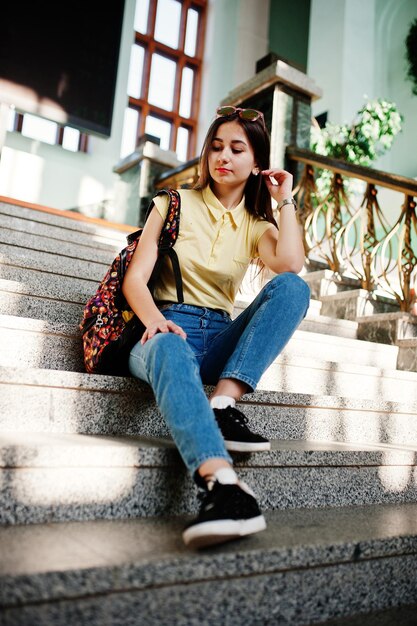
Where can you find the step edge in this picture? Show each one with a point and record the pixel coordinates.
(80, 381)
(179, 566)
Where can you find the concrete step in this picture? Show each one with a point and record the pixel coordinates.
(315, 307)
(299, 374)
(315, 322)
(325, 283)
(55, 477)
(51, 264)
(41, 296)
(106, 233)
(38, 307)
(41, 341)
(329, 326)
(52, 288)
(28, 342)
(58, 346)
(36, 283)
(61, 234)
(341, 349)
(355, 303)
(307, 567)
(69, 402)
(33, 282)
(404, 615)
(31, 242)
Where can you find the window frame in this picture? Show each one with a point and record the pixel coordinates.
(82, 142)
(152, 46)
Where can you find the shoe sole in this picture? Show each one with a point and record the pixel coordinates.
(246, 446)
(219, 531)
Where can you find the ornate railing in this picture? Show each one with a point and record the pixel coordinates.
(345, 227)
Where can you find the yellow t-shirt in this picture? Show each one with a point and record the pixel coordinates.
(214, 248)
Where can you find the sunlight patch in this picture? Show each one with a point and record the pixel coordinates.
(396, 474)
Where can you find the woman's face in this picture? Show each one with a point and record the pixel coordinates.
(230, 158)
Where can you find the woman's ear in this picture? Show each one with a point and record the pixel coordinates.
(255, 171)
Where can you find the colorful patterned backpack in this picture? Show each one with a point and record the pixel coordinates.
(109, 327)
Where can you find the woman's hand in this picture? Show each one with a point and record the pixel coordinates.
(283, 189)
(162, 326)
(282, 250)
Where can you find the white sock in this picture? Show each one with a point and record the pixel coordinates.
(226, 476)
(222, 402)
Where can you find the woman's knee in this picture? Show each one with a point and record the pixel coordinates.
(292, 284)
(166, 345)
(170, 354)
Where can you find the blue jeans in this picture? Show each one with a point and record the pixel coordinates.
(216, 347)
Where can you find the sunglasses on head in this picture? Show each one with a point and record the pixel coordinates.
(250, 115)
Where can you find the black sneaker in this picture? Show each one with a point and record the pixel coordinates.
(227, 512)
(237, 436)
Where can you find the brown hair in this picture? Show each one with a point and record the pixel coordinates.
(257, 196)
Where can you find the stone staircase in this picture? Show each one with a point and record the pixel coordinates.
(93, 494)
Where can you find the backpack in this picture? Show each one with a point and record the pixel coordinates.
(109, 327)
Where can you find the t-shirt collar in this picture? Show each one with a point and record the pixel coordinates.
(217, 209)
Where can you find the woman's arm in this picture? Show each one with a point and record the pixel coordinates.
(135, 282)
(283, 250)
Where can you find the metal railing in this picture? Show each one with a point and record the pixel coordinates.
(345, 226)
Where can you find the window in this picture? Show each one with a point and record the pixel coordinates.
(47, 131)
(164, 74)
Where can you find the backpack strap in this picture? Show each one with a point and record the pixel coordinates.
(171, 227)
(167, 239)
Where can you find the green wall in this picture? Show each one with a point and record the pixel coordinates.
(289, 29)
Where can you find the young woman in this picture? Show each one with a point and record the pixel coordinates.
(226, 221)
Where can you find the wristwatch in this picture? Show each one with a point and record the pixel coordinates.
(287, 201)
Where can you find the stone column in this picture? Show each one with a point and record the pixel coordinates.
(137, 172)
(284, 94)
